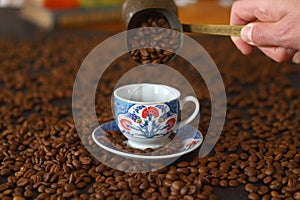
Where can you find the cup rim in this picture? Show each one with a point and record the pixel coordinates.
(177, 95)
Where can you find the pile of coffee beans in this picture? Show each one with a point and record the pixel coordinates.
(43, 157)
(160, 43)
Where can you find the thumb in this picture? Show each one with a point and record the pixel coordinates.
(260, 34)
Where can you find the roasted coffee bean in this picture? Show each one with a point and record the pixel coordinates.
(4, 172)
(263, 190)
(253, 179)
(253, 196)
(296, 195)
(28, 194)
(172, 176)
(183, 164)
(85, 160)
(18, 198)
(212, 165)
(4, 186)
(266, 197)
(269, 170)
(126, 195)
(251, 188)
(267, 179)
(249, 171)
(183, 171)
(69, 187)
(233, 183)
(275, 185)
(177, 185)
(223, 183)
(41, 189)
(184, 190)
(42, 196)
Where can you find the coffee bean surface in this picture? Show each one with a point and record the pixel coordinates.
(43, 157)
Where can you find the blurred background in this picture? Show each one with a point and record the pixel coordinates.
(101, 14)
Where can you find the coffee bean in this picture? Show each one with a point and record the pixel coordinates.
(184, 190)
(275, 185)
(28, 194)
(212, 165)
(223, 183)
(297, 195)
(253, 179)
(253, 196)
(183, 164)
(225, 166)
(267, 179)
(214, 181)
(41, 189)
(269, 171)
(263, 190)
(4, 186)
(146, 195)
(233, 183)
(42, 196)
(172, 176)
(252, 158)
(69, 187)
(203, 169)
(251, 188)
(183, 170)
(249, 171)
(18, 198)
(188, 197)
(266, 197)
(7, 192)
(177, 185)
(4, 172)
(49, 190)
(126, 196)
(76, 164)
(85, 160)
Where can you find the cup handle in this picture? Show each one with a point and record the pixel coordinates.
(190, 118)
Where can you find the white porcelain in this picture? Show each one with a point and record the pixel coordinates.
(148, 113)
(187, 139)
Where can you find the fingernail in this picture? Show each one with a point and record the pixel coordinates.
(296, 58)
(234, 38)
(246, 34)
(296, 61)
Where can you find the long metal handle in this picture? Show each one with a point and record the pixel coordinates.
(226, 30)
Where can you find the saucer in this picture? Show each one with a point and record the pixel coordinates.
(187, 139)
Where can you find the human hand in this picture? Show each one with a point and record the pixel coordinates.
(271, 25)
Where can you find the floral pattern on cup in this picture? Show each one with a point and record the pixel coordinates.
(148, 121)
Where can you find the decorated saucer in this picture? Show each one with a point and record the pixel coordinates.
(187, 139)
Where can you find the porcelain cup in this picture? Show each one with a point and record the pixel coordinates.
(147, 114)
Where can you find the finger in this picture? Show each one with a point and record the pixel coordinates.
(278, 54)
(245, 48)
(263, 34)
(245, 11)
(236, 16)
(296, 57)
